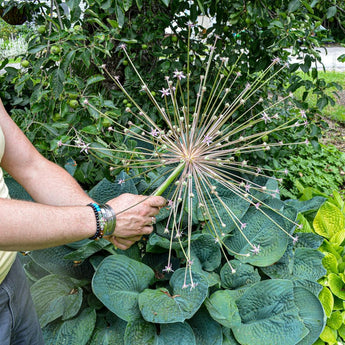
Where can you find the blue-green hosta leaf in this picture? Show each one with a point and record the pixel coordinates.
(106, 190)
(228, 337)
(53, 260)
(222, 307)
(33, 271)
(109, 330)
(264, 230)
(118, 281)
(85, 249)
(162, 306)
(308, 264)
(269, 315)
(56, 296)
(312, 314)
(206, 330)
(207, 251)
(309, 240)
(233, 202)
(74, 331)
(329, 220)
(140, 332)
(311, 205)
(244, 275)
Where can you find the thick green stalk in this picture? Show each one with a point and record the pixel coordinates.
(170, 179)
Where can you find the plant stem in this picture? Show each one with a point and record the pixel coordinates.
(170, 179)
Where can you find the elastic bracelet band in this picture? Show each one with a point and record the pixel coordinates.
(99, 221)
(105, 220)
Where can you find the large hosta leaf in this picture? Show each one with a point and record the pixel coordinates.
(244, 275)
(263, 229)
(312, 314)
(337, 285)
(109, 330)
(206, 330)
(53, 260)
(106, 190)
(164, 306)
(140, 332)
(328, 221)
(204, 248)
(117, 283)
(269, 315)
(222, 307)
(56, 296)
(74, 331)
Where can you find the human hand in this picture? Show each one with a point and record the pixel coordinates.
(134, 217)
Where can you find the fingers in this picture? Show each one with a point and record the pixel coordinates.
(157, 201)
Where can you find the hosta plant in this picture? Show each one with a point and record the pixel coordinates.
(225, 264)
(329, 222)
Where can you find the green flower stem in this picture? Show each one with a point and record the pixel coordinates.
(170, 179)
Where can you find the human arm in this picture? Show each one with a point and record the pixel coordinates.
(59, 215)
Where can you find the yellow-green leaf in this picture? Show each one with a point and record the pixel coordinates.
(329, 335)
(335, 321)
(327, 300)
(328, 221)
(330, 262)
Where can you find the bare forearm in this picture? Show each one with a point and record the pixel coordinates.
(28, 226)
(50, 184)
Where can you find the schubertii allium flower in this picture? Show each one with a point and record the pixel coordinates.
(201, 145)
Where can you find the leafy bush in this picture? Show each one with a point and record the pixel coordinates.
(70, 50)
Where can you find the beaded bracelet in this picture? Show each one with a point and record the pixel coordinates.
(105, 220)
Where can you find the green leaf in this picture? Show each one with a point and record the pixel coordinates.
(294, 5)
(329, 335)
(109, 330)
(52, 260)
(328, 220)
(330, 262)
(269, 315)
(263, 229)
(312, 314)
(140, 332)
(94, 79)
(106, 190)
(322, 102)
(58, 78)
(56, 296)
(74, 331)
(331, 12)
(206, 330)
(335, 320)
(336, 285)
(161, 306)
(207, 251)
(165, 2)
(222, 307)
(117, 282)
(308, 264)
(244, 275)
(327, 300)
